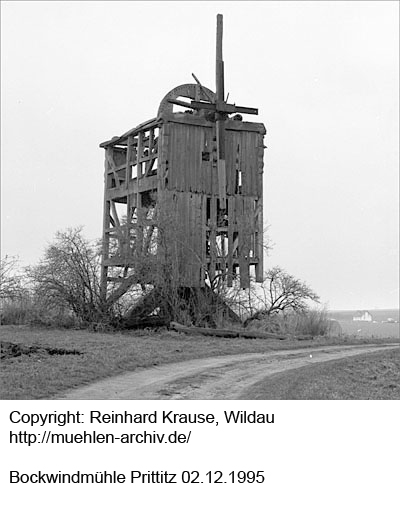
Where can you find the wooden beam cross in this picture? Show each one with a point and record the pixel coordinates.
(221, 111)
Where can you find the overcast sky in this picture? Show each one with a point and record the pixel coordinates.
(324, 76)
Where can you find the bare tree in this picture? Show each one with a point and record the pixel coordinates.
(11, 282)
(281, 292)
(68, 276)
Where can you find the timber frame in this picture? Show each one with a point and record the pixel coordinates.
(163, 178)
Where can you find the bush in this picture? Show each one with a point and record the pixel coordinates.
(66, 282)
(33, 312)
(15, 313)
(311, 322)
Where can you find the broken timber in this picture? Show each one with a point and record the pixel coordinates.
(187, 186)
(226, 333)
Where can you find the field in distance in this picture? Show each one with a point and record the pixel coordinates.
(385, 323)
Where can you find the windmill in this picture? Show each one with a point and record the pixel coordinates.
(197, 178)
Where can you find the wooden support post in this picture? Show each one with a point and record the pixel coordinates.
(106, 235)
(231, 210)
(259, 216)
(139, 212)
(220, 116)
(128, 171)
(128, 176)
(259, 242)
(221, 164)
(111, 163)
(219, 81)
(203, 242)
(213, 234)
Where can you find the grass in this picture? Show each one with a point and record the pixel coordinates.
(38, 375)
(370, 329)
(369, 376)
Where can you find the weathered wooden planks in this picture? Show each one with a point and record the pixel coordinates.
(225, 333)
(176, 157)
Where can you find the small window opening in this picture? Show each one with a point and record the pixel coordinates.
(235, 252)
(221, 245)
(208, 247)
(222, 215)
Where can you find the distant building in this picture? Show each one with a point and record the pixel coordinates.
(363, 316)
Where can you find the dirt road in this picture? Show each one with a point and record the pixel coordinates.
(225, 377)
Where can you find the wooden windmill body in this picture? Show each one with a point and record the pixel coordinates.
(195, 177)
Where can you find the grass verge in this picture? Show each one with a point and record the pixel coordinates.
(55, 360)
(369, 376)
(38, 374)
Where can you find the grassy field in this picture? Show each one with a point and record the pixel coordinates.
(380, 327)
(370, 329)
(371, 376)
(47, 361)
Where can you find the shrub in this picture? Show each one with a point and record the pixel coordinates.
(66, 282)
(15, 313)
(310, 322)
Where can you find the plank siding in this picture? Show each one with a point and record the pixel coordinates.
(186, 181)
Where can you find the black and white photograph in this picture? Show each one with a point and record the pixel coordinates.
(199, 282)
(200, 200)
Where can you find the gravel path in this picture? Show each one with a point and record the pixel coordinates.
(224, 377)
